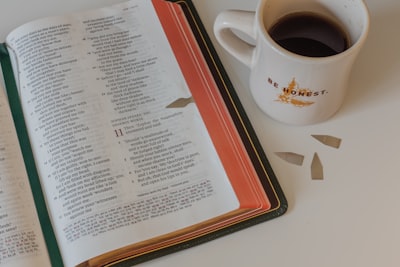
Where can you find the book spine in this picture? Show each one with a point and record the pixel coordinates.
(19, 122)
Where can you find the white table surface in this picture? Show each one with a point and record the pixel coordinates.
(352, 217)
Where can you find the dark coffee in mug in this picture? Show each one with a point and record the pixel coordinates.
(309, 34)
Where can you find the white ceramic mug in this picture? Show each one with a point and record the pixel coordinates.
(292, 88)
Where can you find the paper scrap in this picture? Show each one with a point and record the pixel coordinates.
(317, 171)
(291, 157)
(181, 102)
(328, 140)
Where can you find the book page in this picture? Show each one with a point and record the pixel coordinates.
(118, 163)
(21, 240)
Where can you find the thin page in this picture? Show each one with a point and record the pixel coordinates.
(21, 240)
(95, 90)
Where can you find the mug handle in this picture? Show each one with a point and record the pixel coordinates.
(241, 21)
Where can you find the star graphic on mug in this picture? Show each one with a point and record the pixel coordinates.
(288, 95)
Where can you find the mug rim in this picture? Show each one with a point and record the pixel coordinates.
(284, 52)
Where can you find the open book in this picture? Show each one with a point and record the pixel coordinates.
(122, 140)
